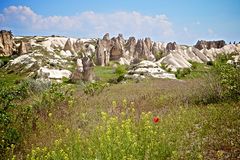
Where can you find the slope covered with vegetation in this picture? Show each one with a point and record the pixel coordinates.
(196, 117)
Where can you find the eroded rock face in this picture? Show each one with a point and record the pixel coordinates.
(142, 51)
(117, 50)
(130, 47)
(171, 46)
(24, 48)
(209, 44)
(69, 46)
(103, 50)
(7, 45)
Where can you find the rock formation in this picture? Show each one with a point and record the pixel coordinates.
(88, 73)
(209, 44)
(7, 45)
(130, 47)
(24, 48)
(148, 68)
(103, 50)
(69, 46)
(142, 50)
(171, 46)
(117, 50)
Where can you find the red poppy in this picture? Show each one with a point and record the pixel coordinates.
(156, 119)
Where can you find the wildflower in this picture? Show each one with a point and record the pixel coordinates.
(49, 114)
(156, 119)
(114, 104)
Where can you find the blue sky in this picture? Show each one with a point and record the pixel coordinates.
(183, 21)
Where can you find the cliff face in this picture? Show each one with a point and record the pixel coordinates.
(210, 44)
(6, 43)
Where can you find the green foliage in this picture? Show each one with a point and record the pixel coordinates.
(126, 134)
(104, 73)
(120, 70)
(94, 88)
(18, 121)
(158, 55)
(10, 133)
(182, 72)
(229, 78)
(222, 83)
(4, 60)
(163, 66)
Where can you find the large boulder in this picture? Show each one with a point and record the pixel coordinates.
(209, 44)
(45, 72)
(7, 45)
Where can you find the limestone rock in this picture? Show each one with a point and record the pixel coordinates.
(174, 61)
(7, 45)
(45, 72)
(150, 69)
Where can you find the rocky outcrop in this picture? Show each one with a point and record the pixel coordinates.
(142, 50)
(171, 46)
(148, 69)
(24, 47)
(174, 61)
(209, 44)
(130, 47)
(78, 46)
(103, 50)
(45, 72)
(7, 45)
(69, 46)
(117, 49)
(88, 66)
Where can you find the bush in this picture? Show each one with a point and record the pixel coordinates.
(158, 55)
(222, 83)
(182, 72)
(11, 123)
(229, 78)
(94, 88)
(120, 70)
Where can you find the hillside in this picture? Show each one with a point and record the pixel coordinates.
(116, 98)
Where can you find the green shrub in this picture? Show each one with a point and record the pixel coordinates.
(182, 72)
(158, 55)
(94, 88)
(222, 83)
(229, 78)
(120, 70)
(10, 122)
